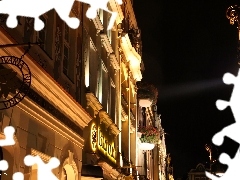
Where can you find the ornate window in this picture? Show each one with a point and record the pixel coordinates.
(69, 168)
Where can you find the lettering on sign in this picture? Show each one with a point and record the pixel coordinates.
(6, 84)
(106, 146)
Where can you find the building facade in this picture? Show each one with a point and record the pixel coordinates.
(198, 173)
(81, 106)
(49, 121)
(81, 102)
(112, 66)
(152, 163)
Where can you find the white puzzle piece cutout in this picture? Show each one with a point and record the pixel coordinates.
(232, 131)
(9, 133)
(44, 169)
(36, 8)
(8, 141)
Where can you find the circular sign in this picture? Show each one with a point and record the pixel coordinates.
(6, 82)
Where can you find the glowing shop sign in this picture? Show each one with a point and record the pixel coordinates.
(106, 146)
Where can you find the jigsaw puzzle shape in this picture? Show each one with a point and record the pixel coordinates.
(231, 131)
(18, 176)
(3, 165)
(100, 4)
(233, 167)
(44, 169)
(36, 8)
(9, 133)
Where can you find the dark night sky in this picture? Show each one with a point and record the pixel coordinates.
(187, 47)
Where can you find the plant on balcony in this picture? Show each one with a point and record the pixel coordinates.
(147, 92)
(150, 134)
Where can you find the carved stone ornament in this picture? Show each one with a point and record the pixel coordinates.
(10, 84)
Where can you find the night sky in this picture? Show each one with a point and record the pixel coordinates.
(187, 47)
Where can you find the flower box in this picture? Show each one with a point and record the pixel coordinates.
(145, 102)
(146, 146)
(148, 136)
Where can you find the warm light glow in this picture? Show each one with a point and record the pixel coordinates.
(132, 56)
(87, 76)
(93, 137)
(106, 147)
(146, 146)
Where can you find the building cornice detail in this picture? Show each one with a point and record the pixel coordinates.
(35, 111)
(124, 114)
(117, 8)
(132, 15)
(47, 87)
(98, 24)
(93, 102)
(104, 118)
(106, 43)
(114, 61)
(132, 56)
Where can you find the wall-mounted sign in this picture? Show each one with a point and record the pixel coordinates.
(10, 84)
(101, 140)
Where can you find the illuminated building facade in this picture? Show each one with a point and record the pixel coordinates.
(82, 106)
(49, 121)
(152, 163)
(112, 66)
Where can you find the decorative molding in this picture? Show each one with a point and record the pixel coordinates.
(93, 102)
(112, 83)
(54, 111)
(132, 128)
(48, 88)
(132, 56)
(104, 67)
(114, 61)
(132, 14)
(104, 118)
(98, 24)
(106, 43)
(43, 156)
(48, 120)
(117, 8)
(109, 169)
(124, 114)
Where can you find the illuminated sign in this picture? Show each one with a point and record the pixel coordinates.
(102, 142)
(93, 137)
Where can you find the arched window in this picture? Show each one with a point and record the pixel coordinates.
(69, 168)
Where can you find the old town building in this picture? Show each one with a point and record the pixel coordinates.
(81, 102)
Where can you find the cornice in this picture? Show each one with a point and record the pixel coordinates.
(132, 57)
(114, 61)
(104, 118)
(106, 43)
(35, 111)
(124, 114)
(98, 24)
(46, 86)
(117, 8)
(93, 102)
(132, 15)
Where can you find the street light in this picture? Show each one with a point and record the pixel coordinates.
(209, 149)
(233, 14)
